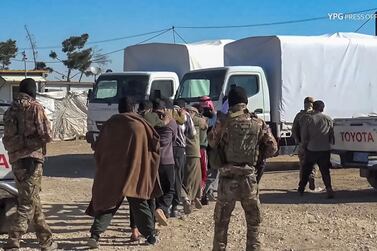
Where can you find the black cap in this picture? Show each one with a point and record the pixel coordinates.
(29, 87)
(237, 95)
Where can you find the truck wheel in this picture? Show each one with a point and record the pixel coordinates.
(372, 179)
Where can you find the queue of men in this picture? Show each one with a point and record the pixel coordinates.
(156, 158)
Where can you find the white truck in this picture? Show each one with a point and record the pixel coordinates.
(149, 70)
(178, 58)
(278, 72)
(110, 87)
(8, 191)
(356, 144)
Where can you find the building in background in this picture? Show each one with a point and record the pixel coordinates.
(10, 81)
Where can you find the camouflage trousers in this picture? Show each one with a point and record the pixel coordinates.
(28, 175)
(230, 190)
(301, 158)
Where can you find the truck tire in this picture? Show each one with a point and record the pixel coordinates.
(372, 179)
(8, 208)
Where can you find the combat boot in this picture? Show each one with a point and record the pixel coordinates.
(53, 246)
(13, 242)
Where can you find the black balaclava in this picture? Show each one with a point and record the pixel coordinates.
(29, 87)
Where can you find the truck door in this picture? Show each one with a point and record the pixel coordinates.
(162, 88)
(255, 90)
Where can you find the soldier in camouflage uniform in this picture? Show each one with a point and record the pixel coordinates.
(26, 133)
(299, 122)
(238, 142)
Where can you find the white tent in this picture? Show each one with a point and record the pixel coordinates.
(67, 112)
(339, 69)
(178, 58)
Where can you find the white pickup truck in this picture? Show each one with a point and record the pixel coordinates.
(8, 191)
(356, 144)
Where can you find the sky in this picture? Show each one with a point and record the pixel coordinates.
(52, 21)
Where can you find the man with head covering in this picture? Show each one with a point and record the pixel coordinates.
(187, 129)
(126, 166)
(238, 142)
(26, 133)
(192, 175)
(299, 122)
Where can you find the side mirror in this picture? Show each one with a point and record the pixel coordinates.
(90, 94)
(258, 111)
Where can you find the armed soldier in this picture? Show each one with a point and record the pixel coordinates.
(26, 133)
(237, 142)
(299, 123)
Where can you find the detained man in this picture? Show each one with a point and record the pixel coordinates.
(168, 134)
(126, 166)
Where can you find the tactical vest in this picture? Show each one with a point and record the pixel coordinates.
(241, 140)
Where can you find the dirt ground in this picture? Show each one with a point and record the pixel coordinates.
(290, 222)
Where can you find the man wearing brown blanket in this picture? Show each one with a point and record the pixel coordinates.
(127, 161)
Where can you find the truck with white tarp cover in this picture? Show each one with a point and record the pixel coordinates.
(278, 72)
(178, 58)
(150, 71)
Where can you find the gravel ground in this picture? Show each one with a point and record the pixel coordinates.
(290, 222)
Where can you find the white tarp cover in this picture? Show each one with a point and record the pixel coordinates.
(178, 58)
(339, 69)
(68, 113)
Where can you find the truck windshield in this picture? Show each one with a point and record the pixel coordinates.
(204, 83)
(111, 88)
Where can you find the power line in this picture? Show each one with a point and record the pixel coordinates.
(100, 41)
(361, 26)
(174, 31)
(271, 23)
(146, 40)
(126, 37)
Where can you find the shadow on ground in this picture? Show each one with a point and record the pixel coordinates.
(71, 227)
(283, 196)
(70, 166)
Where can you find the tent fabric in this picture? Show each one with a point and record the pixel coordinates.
(178, 58)
(336, 68)
(68, 113)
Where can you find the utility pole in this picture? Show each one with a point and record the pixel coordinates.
(33, 46)
(173, 31)
(24, 58)
(375, 23)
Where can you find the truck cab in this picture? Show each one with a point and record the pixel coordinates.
(111, 87)
(216, 83)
